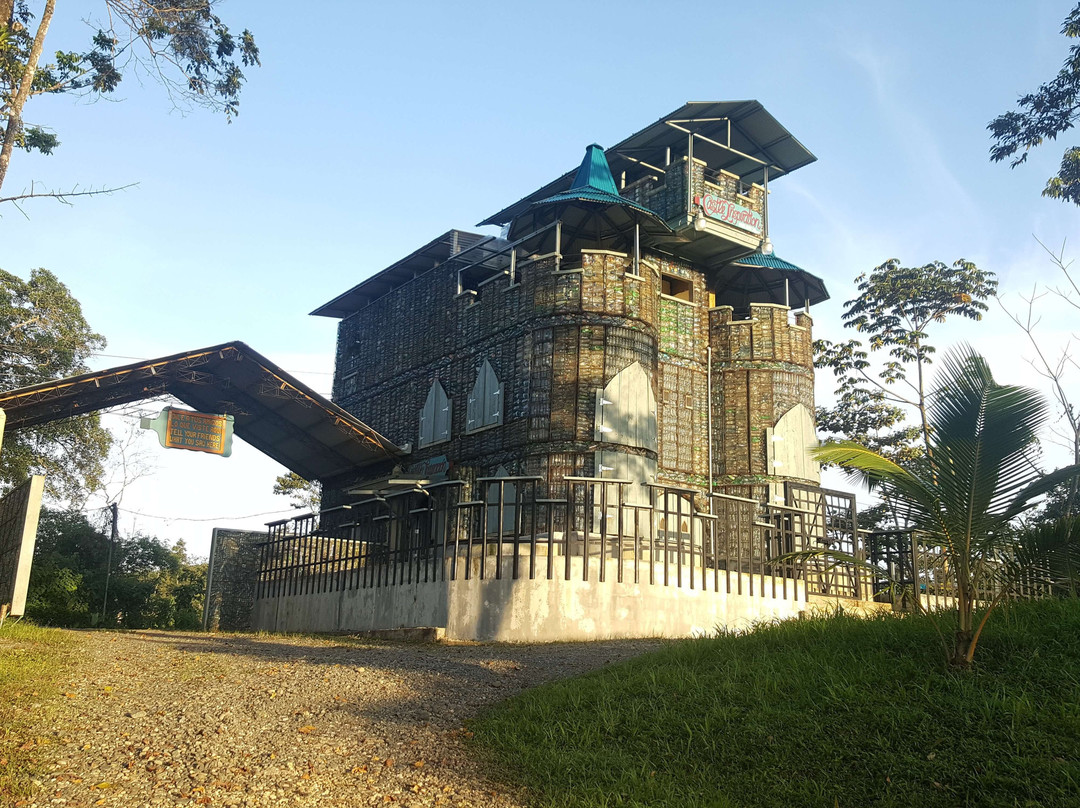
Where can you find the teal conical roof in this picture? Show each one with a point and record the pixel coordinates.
(594, 183)
(594, 172)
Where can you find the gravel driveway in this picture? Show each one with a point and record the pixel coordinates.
(155, 718)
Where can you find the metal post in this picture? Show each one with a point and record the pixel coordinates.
(708, 410)
(637, 248)
(108, 563)
(765, 203)
(689, 174)
(558, 244)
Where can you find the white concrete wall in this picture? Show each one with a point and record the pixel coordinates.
(538, 610)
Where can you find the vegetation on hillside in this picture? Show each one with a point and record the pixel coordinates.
(150, 585)
(963, 496)
(33, 662)
(836, 712)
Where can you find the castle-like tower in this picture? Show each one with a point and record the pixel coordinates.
(631, 322)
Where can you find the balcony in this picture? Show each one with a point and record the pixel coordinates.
(732, 215)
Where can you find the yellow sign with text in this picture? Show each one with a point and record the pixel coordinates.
(196, 431)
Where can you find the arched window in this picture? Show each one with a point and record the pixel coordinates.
(485, 400)
(435, 416)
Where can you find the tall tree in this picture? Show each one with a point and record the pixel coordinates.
(977, 477)
(149, 584)
(1043, 115)
(896, 307)
(44, 336)
(1057, 366)
(183, 43)
(305, 494)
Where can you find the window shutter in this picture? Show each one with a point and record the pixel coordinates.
(442, 414)
(485, 400)
(435, 416)
(427, 419)
(626, 409)
(492, 395)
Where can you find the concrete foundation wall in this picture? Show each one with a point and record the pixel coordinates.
(539, 610)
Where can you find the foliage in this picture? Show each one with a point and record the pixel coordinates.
(895, 309)
(33, 663)
(1051, 537)
(978, 476)
(817, 713)
(1053, 548)
(183, 44)
(1043, 115)
(1056, 367)
(305, 494)
(151, 585)
(44, 336)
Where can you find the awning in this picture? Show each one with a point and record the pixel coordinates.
(273, 411)
(737, 136)
(590, 210)
(759, 278)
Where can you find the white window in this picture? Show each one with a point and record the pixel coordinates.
(485, 400)
(435, 416)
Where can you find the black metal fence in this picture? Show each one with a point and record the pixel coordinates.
(908, 564)
(811, 546)
(679, 537)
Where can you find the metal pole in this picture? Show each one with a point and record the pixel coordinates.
(689, 173)
(108, 562)
(765, 202)
(637, 248)
(708, 394)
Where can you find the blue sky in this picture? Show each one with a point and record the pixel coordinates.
(373, 127)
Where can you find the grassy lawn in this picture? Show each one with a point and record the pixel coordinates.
(33, 662)
(837, 712)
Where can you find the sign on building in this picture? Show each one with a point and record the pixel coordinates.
(197, 431)
(724, 210)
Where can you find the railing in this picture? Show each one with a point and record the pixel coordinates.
(596, 532)
(909, 563)
(664, 192)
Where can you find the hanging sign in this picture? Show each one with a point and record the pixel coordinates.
(197, 431)
(729, 212)
(434, 468)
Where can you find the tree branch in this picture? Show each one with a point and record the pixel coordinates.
(14, 112)
(61, 196)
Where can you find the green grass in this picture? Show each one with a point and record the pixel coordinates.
(836, 712)
(33, 663)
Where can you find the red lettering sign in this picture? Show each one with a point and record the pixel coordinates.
(729, 212)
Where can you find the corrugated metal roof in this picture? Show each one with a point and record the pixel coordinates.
(594, 183)
(594, 172)
(756, 139)
(759, 260)
(415, 263)
(273, 411)
(758, 278)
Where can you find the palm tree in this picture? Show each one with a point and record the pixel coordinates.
(977, 477)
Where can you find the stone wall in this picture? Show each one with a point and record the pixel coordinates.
(556, 337)
(231, 577)
(763, 366)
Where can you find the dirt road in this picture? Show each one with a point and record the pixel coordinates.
(155, 718)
